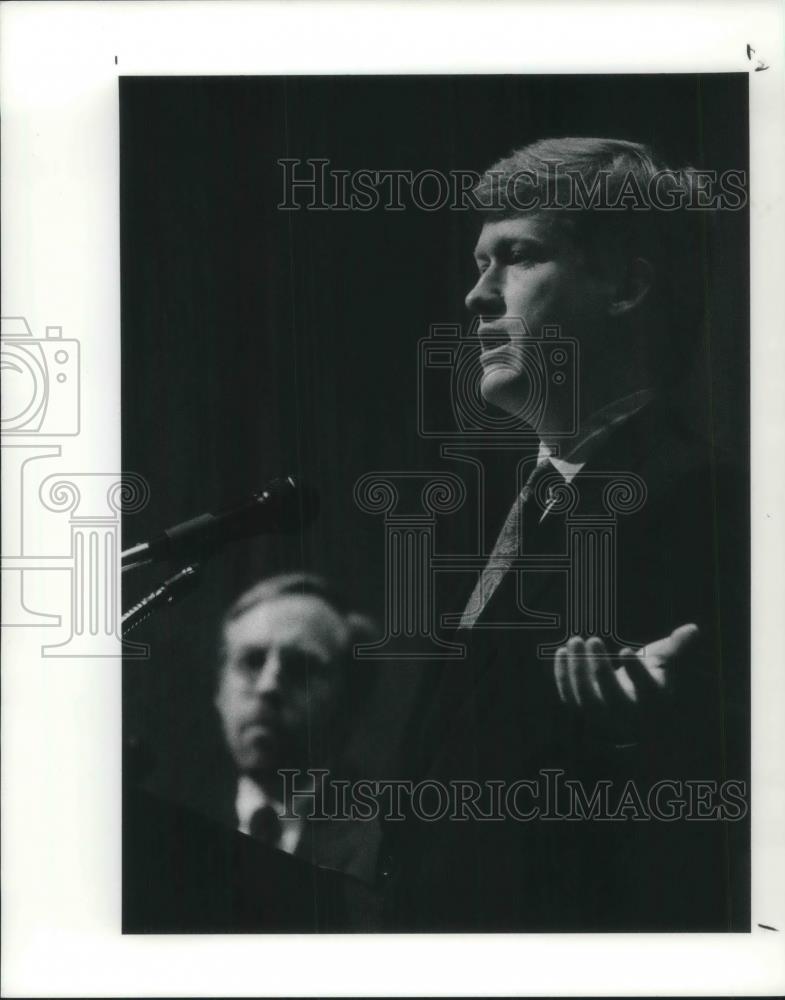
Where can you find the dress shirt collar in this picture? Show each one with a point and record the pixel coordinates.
(594, 431)
(251, 797)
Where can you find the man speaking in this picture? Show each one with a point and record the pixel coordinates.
(655, 688)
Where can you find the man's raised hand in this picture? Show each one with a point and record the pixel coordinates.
(621, 695)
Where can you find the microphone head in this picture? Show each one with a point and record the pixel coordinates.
(287, 505)
(283, 506)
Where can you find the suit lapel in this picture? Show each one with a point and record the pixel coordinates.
(645, 440)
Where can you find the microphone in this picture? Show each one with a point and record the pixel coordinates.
(282, 506)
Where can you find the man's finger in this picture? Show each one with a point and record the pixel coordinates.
(576, 656)
(627, 688)
(663, 651)
(560, 675)
(682, 637)
(596, 657)
(646, 674)
(626, 679)
(613, 694)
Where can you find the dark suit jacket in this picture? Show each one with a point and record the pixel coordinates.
(681, 556)
(189, 870)
(336, 844)
(183, 874)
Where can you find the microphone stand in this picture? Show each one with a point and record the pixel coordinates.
(171, 590)
(137, 555)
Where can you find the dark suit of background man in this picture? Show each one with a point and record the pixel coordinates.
(627, 285)
(283, 696)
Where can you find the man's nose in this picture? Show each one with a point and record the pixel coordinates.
(486, 298)
(268, 680)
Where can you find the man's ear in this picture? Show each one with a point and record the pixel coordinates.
(634, 284)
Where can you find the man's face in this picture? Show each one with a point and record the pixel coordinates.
(529, 271)
(282, 673)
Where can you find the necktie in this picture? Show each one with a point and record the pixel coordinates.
(538, 473)
(507, 547)
(265, 825)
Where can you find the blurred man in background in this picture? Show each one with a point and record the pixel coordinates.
(286, 697)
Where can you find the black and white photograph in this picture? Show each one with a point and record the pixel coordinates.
(481, 641)
(392, 511)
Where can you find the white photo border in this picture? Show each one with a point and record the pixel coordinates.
(59, 67)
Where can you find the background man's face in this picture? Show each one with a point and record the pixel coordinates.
(282, 672)
(530, 271)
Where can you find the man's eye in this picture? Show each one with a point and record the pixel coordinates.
(521, 257)
(253, 660)
(482, 266)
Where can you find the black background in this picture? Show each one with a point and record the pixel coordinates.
(257, 341)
